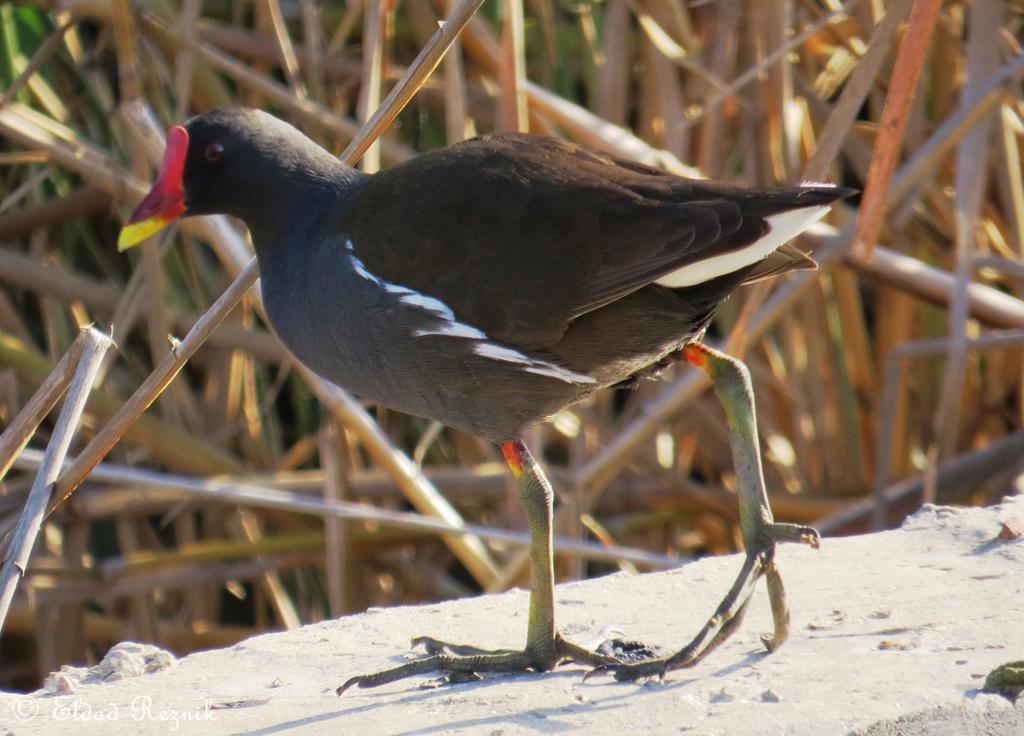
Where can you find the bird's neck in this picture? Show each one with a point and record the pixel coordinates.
(299, 204)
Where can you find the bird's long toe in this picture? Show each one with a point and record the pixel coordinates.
(457, 668)
(440, 646)
(727, 618)
(465, 663)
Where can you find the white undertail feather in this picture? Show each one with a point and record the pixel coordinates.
(781, 227)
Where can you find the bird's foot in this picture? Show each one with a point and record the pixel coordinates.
(727, 617)
(462, 663)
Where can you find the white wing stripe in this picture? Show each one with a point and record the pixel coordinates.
(540, 367)
(450, 327)
(455, 329)
(782, 227)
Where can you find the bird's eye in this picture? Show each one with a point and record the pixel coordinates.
(214, 152)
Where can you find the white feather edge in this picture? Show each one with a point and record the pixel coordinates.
(450, 327)
(781, 227)
(531, 365)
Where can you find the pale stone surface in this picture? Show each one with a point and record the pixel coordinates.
(901, 625)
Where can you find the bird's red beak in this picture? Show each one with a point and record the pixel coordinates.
(166, 200)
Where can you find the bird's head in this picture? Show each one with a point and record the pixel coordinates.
(234, 161)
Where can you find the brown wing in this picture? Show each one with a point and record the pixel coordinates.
(519, 234)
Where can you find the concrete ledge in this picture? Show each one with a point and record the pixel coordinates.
(904, 624)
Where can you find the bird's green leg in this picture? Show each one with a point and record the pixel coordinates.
(760, 532)
(545, 647)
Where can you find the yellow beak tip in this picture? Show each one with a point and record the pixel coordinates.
(124, 242)
(134, 233)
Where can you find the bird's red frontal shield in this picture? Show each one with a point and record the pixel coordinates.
(166, 200)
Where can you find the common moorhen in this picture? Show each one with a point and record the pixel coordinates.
(487, 286)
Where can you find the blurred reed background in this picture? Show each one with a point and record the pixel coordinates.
(250, 498)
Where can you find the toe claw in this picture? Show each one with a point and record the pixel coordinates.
(429, 644)
(782, 532)
(621, 672)
(599, 670)
(347, 684)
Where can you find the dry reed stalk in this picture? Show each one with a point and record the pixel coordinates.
(928, 158)
(170, 445)
(284, 42)
(153, 561)
(372, 75)
(912, 276)
(339, 39)
(851, 99)
(313, 38)
(129, 583)
(337, 545)
(457, 124)
(662, 88)
(125, 43)
(421, 68)
(971, 175)
(655, 20)
(61, 629)
(139, 602)
(79, 205)
(149, 300)
(30, 274)
(580, 123)
(485, 483)
(419, 490)
(306, 112)
(835, 131)
(270, 579)
(909, 60)
(19, 431)
(1011, 179)
(276, 498)
(895, 363)
(104, 630)
(588, 128)
(613, 67)
(954, 481)
(19, 549)
(513, 114)
(184, 59)
(151, 388)
(45, 51)
(200, 603)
